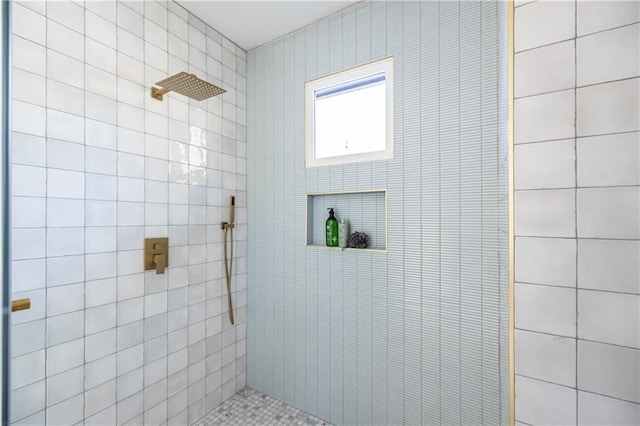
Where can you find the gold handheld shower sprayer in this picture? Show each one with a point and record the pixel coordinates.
(188, 85)
(227, 227)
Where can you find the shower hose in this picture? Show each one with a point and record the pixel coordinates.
(228, 267)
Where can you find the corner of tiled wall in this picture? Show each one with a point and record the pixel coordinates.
(577, 204)
(98, 166)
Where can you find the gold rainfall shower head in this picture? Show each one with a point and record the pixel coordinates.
(188, 85)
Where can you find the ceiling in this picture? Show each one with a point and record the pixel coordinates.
(250, 24)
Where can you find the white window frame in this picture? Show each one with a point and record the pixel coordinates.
(311, 87)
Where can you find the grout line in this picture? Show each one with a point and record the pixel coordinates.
(578, 339)
(575, 198)
(578, 288)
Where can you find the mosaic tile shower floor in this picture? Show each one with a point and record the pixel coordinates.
(250, 407)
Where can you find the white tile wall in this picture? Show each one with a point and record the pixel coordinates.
(586, 338)
(90, 181)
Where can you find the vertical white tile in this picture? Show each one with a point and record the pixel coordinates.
(544, 403)
(64, 299)
(65, 184)
(545, 117)
(65, 385)
(557, 18)
(609, 370)
(64, 328)
(67, 13)
(28, 243)
(609, 317)
(545, 165)
(65, 212)
(599, 410)
(546, 261)
(27, 369)
(609, 212)
(65, 356)
(100, 344)
(28, 150)
(609, 265)
(65, 155)
(28, 118)
(65, 69)
(100, 292)
(28, 87)
(611, 160)
(65, 270)
(609, 108)
(70, 411)
(65, 126)
(65, 241)
(100, 398)
(29, 181)
(608, 55)
(29, 24)
(100, 29)
(545, 69)
(101, 265)
(100, 318)
(545, 213)
(28, 212)
(27, 400)
(596, 16)
(100, 239)
(64, 40)
(546, 309)
(100, 56)
(100, 371)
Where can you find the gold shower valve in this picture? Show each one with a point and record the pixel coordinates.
(156, 254)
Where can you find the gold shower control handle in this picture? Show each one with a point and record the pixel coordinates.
(20, 304)
(156, 254)
(160, 260)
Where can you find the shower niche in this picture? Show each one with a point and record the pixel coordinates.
(366, 211)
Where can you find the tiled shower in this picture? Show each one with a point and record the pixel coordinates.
(415, 330)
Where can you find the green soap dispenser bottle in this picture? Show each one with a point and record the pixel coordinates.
(332, 230)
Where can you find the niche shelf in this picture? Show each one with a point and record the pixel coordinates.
(366, 211)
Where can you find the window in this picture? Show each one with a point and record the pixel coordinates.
(349, 115)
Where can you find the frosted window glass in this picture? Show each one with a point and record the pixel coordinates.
(349, 115)
(351, 121)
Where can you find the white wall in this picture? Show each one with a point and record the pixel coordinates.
(97, 166)
(577, 210)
